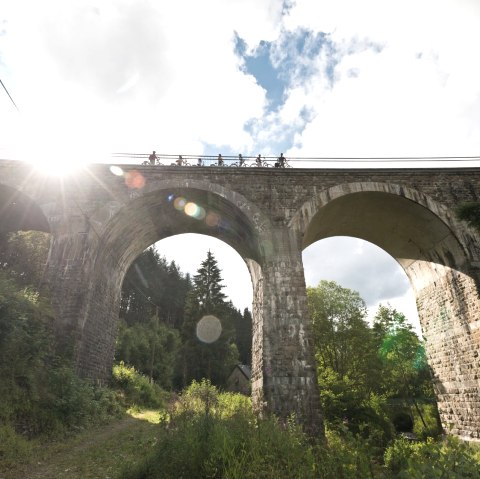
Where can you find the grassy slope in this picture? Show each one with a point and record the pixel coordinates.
(95, 453)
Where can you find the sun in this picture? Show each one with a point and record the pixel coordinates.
(54, 166)
(65, 161)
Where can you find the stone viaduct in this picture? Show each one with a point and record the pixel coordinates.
(100, 222)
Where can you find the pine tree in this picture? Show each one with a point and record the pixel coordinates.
(152, 287)
(207, 289)
(243, 335)
(213, 360)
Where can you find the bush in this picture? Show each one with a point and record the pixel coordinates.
(450, 458)
(78, 403)
(40, 393)
(215, 435)
(13, 447)
(137, 389)
(430, 416)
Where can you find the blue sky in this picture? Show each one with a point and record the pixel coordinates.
(303, 77)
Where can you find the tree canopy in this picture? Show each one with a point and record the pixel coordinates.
(363, 368)
(161, 312)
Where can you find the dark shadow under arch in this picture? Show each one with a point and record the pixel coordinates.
(18, 212)
(403, 228)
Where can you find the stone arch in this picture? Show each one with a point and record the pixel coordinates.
(439, 255)
(120, 232)
(302, 220)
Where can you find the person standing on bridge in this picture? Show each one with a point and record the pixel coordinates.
(220, 160)
(241, 161)
(199, 162)
(152, 158)
(179, 162)
(258, 160)
(280, 161)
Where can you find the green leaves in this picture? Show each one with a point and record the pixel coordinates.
(469, 212)
(360, 367)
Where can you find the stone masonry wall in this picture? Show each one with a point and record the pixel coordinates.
(449, 310)
(279, 204)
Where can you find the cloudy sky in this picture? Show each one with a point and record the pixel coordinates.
(319, 78)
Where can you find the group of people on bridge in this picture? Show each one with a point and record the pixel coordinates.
(281, 161)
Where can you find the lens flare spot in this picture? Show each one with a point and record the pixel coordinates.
(191, 209)
(116, 170)
(200, 213)
(134, 179)
(170, 198)
(209, 329)
(179, 203)
(212, 219)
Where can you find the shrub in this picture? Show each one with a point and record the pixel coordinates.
(450, 458)
(13, 447)
(40, 393)
(430, 417)
(137, 389)
(215, 435)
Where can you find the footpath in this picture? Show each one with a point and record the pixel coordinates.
(99, 453)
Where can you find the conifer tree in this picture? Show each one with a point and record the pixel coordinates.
(243, 335)
(212, 360)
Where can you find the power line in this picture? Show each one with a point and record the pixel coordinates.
(323, 159)
(9, 96)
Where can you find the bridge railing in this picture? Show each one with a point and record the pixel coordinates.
(259, 161)
(229, 161)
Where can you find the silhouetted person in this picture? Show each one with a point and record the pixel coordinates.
(152, 158)
(199, 162)
(241, 161)
(258, 160)
(280, 161)
(220, 160)
(179, 162)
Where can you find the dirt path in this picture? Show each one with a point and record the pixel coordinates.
(97, 453)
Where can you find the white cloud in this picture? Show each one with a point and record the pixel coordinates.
(91, 78)
(414, 91)
(133, 76)
(189, 250)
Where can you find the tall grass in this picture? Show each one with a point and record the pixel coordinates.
(215, 435)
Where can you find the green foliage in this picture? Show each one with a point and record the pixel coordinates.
(160, 311)
(243, 336)
(154, 288)
(429, 424)
(361, 369)
(40, 393)
(214, 360)
(14, 447)
(151, 348)
(405, 371)
(215, 435)
(137, 388)
(469, 212)
(26, 351)
(343, 340)
(347, 362)
(345, 405)
(448, 459)
(23, 255)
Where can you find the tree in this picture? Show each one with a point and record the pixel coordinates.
(23, 256)
(243, 336)
(154, 288)
(152, 348)
(341, 333)
(347, 363)
(211, 360)
(406, 374)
